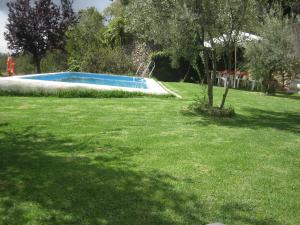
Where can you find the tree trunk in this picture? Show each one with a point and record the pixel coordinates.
(187, 73)
(214, 64)
(210, 92)
(229, 58)
(37, 60)
(224, 97)
(228, 83)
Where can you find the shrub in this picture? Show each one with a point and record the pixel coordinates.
(274, 53)
(24, 64)
(54, 62)
(3, 58)
(106, 60)
(93, 47)
(200, 107)
(165, 72)
(74, 65)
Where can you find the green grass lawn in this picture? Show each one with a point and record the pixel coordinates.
(141, 161)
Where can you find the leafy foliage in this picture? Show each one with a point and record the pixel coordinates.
(164, 71)
(115, 34)
(99, 50)
(24, 64)
(274, 54)
(183, 27)
(86, 34)
(3, 58)
(54, 61)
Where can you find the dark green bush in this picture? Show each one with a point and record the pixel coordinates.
(3, 58)
(55, 61)
(269, 86)
(102, 60)
(24, 64)
(200, 107)
(165, 72)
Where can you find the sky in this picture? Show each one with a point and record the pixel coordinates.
(78, 4)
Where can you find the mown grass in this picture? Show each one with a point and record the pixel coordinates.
(74, 93)
(141, 161)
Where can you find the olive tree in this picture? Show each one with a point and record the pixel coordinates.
(184, 27)
(274, 53)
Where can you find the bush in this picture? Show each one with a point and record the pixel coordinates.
(3, 58)
(273, 55)
(24, 64)
(270, 86)
(55, 61)
(102, 60)
(107, 60)
(73, 65)
(165, 72)
(93, 47)
(200, 107)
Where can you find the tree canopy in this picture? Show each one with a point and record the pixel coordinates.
(183, 27)
(274, 53)
(94, 46)
(38, 27)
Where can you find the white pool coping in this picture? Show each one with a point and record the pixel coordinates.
(18, 82)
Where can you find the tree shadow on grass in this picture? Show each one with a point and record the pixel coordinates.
(258, 118)
(3, 125)
(240, 213)
(288, 96)
(53, 181)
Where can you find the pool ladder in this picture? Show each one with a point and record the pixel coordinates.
(149, 68)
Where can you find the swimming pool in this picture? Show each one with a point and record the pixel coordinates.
(94, 81)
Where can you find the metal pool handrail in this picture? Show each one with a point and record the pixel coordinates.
(143, 74)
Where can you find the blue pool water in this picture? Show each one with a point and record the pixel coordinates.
(97, 79)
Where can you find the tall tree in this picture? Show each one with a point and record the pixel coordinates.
(38, 27)
(94, 47)
(274, 53)
(185, 26)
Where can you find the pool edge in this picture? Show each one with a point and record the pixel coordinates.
(17, 82)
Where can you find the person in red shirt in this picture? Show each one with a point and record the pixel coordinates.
(10, 66)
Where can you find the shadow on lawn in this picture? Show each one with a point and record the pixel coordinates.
(3, 125)
(240, 214)
(60, 182)
(80, 184)
(258, 118)
(288, 96)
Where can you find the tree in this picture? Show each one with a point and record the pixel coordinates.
(86, 34)
(94, 47)
(116, 8)
(115, 34)
(235, 16)
(38, 27)
(183, 27)
(274, 54)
